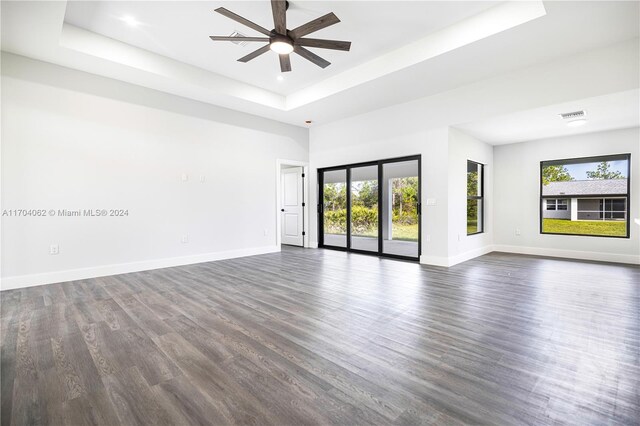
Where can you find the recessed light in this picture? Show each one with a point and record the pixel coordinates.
(130, 21)
(280, 78)
(577, 123)
(307, 121)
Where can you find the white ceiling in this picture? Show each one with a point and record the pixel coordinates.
(613, 111)
(180, 30)
(171, 51)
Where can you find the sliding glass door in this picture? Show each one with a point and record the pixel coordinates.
(371, 207)
(334, 208)
(400, 208)
(364, 208)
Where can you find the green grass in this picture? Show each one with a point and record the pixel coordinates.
(563, 226)
(472, 227)
(405, 232)
(400, 232)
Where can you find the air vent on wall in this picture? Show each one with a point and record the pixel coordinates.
(573, 115)
(238, 42)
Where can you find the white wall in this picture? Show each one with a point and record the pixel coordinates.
(71, 140)
(337, 145)
(463, 147)
(517, 196)
(444, 154)
(422, 127)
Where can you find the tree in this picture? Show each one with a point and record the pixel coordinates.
(335, 196)
(366, 193)
(556, 173)
(603, 172)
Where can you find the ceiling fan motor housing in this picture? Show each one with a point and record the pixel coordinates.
(275, 37)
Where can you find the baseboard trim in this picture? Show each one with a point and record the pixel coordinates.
(570, 254)
(470, 254)
(434, 260)
(454, 260)
(23, 281)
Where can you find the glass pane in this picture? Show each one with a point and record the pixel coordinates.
(334, 201)
(618, 205)
(400, 208)
(364, 208)
(573, 179)
(474, 216)
(474, 179)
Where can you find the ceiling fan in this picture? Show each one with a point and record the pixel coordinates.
(284, 41)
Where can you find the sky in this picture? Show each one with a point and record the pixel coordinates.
(578, 171)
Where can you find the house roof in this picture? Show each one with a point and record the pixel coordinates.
(586, 187)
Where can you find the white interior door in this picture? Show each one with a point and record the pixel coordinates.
(291, 209)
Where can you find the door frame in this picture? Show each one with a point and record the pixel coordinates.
(305, 199)
(347, 168)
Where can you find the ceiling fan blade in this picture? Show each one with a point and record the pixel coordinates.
(324, 44)
(254, 54)
(310, 56)
(315, 25)
(285, 63)
(243, 21)
(279, 9)
(226, 38)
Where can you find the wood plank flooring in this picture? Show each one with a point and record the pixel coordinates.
(323, 337)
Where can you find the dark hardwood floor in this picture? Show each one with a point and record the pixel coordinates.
(324, 337)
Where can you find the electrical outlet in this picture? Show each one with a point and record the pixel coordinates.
(202, 178)
(266, 232)
(459, 237)
(431, 202)
(518, 231)
(54, 249)
(427, 238)
(184, 177)
(185, 239)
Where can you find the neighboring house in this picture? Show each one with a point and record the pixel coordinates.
(585, 200)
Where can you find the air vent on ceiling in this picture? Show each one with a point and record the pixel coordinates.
(573, 115)
(237, 34)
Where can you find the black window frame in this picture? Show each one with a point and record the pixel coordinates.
(593, 159)
(348, 168)
(475, 197)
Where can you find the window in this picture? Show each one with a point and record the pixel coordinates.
(562, 204)
(371, 208)
(475, 198)
(553, 204)
(595, 196)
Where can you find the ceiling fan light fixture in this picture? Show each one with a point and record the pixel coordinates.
(281, 45)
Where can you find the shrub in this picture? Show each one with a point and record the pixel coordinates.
(364, 219)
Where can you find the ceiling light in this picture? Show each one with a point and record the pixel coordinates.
(130, 20)
(281, 45)
(577, 123)
(280, 78)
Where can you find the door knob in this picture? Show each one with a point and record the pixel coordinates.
(281, 210)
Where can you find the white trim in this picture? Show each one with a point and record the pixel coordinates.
(434, 260)
(470, 254)
(22, 281)
(454, 260)
(571, 254)
(305, 170)
(313, 244)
